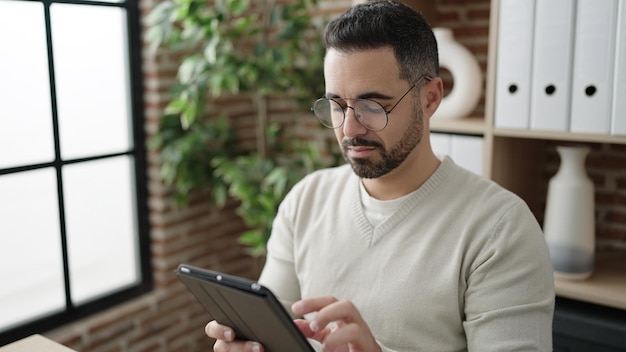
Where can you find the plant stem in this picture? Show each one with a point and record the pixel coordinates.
(261, 99)
(261, 124)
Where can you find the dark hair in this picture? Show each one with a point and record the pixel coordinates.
(387, 24)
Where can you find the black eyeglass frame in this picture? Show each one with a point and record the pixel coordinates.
(344, 108)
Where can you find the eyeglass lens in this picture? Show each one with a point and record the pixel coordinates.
(369, 113)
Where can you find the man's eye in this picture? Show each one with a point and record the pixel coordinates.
(371, 107)
(338, 108)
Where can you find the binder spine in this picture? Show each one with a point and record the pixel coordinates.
(514, 63)
(618, 118)
(552, 65)
(594, 54)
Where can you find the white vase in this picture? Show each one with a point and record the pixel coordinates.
(466, 75)
(569, 223)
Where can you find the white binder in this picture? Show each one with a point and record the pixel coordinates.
(552, 65)
(467, 152)
(618, 119)
(440, 143)
(513, 70)
(594, 55)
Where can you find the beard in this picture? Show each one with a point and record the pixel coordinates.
(389, 159)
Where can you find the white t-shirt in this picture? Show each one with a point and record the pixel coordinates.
(376, 211)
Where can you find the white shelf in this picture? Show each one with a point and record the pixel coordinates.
(560, 136)
(466, 125)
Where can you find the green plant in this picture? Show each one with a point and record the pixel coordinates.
(261, 183)
(236, 47)
(258, 48)
(186, 154)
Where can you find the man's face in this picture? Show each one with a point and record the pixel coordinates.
(373, 74)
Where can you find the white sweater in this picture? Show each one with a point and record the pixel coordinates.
(462, 265)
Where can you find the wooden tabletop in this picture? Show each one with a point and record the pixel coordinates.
(35, 343)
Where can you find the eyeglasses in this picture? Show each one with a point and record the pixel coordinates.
(370, 114)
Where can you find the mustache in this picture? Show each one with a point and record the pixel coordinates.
(359, 142)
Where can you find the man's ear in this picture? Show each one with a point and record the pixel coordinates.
(433, 93)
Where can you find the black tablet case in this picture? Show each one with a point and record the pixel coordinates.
(249, 308)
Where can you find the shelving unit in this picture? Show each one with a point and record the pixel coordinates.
(607, 286)
(469, 125)
(561, 136)
(513, 158)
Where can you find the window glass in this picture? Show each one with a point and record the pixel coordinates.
(72, 238)
(31, 262)
(101, 226)
(92, 80)
(26, 135)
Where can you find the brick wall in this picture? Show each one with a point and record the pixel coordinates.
(607, 168)
(168, 319)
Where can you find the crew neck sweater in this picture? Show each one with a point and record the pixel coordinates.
(462, 265)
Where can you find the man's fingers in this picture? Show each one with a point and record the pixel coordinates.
(220, 332)
(310, 305)
(349, 330)
(237, 346)
(329, 310)
(303, 325)
(343, 312)
(349, 334)
(225, 339)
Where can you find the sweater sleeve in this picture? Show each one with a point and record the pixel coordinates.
(509, 299)
(279, 273)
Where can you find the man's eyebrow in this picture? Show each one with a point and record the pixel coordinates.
(366, 95)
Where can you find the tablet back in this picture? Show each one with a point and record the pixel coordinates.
(249, 308)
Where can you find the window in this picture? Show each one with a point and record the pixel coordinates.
(73, 220)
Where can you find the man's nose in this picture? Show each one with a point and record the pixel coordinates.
(351, 126)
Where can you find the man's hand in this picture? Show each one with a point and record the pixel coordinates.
(350, 333)
(225, 339)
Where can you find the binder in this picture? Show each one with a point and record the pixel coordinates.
(618, 119)
(513, 67)
(467, 152)
(594, 55)
(440, 143)
(552, 65)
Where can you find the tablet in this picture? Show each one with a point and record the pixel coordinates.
(249, 308)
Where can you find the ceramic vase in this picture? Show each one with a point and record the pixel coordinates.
(569, 223)
(466, 74)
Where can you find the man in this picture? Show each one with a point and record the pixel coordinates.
(399, 250)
